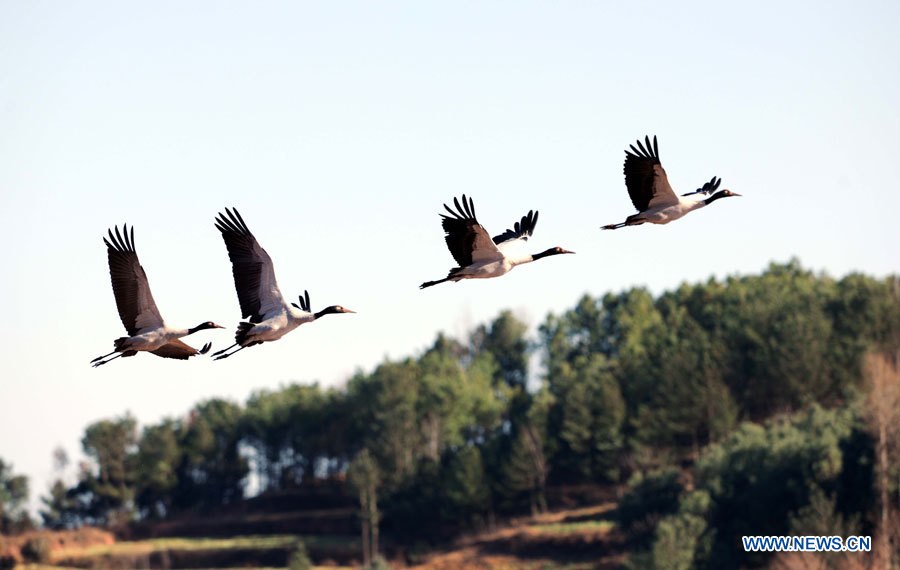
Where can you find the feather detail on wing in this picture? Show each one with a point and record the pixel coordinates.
(646, 179)
(304, 303)
(523, 229)
(135, 303)
(254, 272)
(512, 241)
(179, 350)
(466, 239)
(707, 188)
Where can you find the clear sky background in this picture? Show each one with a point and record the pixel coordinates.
(339, 128)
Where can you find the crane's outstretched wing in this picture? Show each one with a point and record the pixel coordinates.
(254, 273)
(646, 179)
(466, 239)
(523, 229)
(509, 241)
(180, 350)
(137, 309)
(707, 188)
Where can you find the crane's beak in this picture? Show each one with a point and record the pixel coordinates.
(218, 327)
(346, 310)
(566, 251)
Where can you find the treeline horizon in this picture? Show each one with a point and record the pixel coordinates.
(635, 392)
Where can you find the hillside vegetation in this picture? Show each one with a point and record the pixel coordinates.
(718, 409)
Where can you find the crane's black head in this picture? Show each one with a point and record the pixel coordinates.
(333, 310)
(204, 326)
(552, 251)
(720, 194)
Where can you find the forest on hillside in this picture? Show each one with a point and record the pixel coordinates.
(763, 395)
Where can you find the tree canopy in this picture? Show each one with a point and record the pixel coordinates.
(749, 386)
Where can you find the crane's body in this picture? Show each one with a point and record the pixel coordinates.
(667, 213)
(276, 326)
(485, 269)
(153, 339)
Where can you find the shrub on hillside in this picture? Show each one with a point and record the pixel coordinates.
(36, 550)
(299, 559)
(794, 475)
(378, 564)
(649, 498)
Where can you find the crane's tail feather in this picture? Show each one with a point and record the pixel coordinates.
(243, 332)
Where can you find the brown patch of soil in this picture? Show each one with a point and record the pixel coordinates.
(59, 540)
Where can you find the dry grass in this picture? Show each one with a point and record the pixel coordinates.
(550, 537)
(59, 540)
(557, 532)
(470, 559)
(602, 527)
(50, 567)
(824, 561)
(194, 544)
(584, 521)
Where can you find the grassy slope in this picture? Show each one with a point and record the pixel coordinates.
(51, 567)
(193, 544)
(573, 539)
(241, 550)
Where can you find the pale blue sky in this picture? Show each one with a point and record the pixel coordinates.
(339, 128)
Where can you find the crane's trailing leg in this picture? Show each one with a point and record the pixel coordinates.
(221, 356)
(633, 220)
(102, 362)
(450, 277)
(224, 350)
(123, 354)
(104, 356)
(432, 283)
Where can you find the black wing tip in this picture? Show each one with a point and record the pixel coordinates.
(532, 221)
(120, 241)
(464, 211)
(304, 302)
(651, 150)
(522, 228)
(231, 222)
(526, 226)
(711, 186)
